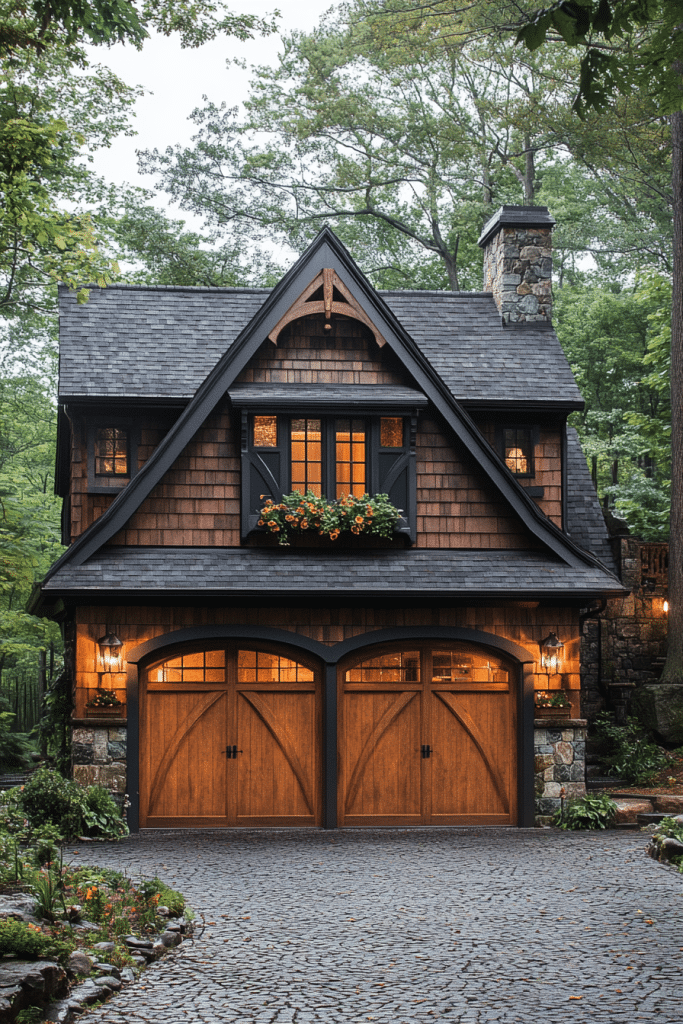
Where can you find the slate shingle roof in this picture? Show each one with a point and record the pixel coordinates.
(237, 572)
(156, 342)
(585, 521)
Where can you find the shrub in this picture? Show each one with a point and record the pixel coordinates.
(28, 942)
(102, 818)
(167, 897)
(588, 812)
(629, 754)
(50, 799)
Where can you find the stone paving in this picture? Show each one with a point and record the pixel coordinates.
(389, 925)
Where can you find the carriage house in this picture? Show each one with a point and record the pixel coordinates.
(361, 674)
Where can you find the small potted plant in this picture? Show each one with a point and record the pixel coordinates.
(552, 705)
(105, 703)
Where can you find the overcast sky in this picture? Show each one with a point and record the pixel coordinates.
(175, 81)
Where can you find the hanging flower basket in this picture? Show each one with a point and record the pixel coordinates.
(105, 704)
(552, 705)
(306, 515)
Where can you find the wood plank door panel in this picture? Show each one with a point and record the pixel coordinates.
(261, 706)
(183, 781)
(380, 747)
(470, 765)
(427, 736)
(279, 765)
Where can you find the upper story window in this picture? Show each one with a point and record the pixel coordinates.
(518, 450)
(111, 451)
(331, 456)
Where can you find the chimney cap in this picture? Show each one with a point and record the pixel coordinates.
(516, 216)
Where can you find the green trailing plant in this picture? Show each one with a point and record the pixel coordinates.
(585, 813)
(628, 753)
(29, 942)
(305, 515)
(660, 849)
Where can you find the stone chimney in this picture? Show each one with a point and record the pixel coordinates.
(518, 263)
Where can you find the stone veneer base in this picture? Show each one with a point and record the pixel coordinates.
(98, 755)
(559, 762)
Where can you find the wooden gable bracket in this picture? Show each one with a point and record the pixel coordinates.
(328, 280)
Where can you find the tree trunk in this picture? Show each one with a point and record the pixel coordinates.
(673, 669)
(529, 172)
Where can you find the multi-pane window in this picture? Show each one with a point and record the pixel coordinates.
(111, 451)
(518, 450)
(306, 456)
(332, 455)
(350, 457)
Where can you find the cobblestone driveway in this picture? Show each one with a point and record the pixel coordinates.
(468, 925)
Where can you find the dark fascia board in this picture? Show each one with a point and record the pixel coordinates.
(201, 598)
(527, 409)
(63, 454)
(107, 403)
(325, 251)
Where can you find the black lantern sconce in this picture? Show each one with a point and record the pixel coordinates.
(111, 652)
(551, 654)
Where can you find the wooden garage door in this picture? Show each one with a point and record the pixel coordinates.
(428, 736)
(229, 737)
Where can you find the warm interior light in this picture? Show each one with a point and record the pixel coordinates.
(665, 607)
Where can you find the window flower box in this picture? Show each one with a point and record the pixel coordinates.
(307, 517)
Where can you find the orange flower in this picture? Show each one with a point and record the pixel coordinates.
(261, 522)
(271, 522)
(304, 524)
(289, 519)
(358, 519)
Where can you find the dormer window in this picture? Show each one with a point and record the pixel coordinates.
(111, 451)
(310, 439)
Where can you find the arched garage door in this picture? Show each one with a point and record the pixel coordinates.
(427, 737)
(230, 736)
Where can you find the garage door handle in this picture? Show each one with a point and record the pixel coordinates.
(425, 750)
(232, 751)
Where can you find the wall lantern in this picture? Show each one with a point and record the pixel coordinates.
(551, 653)
(111, 651)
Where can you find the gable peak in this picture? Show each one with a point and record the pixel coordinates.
(326, 294)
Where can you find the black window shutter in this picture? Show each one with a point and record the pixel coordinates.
(394, 473)
(263, 473)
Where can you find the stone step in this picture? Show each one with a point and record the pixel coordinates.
(629, 807)
(608, 782)
(650, 819)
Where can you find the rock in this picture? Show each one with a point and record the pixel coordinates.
(105, 947)
(108, 969)
(85, 995)
(133, 942)
(158, 948)
(629, 807)
(174, 926)
(20, 908)
(171, 939)
(668, 804)
(163, 911)
(127, 974)
(141, 961)
(108, 981)
(25, 984)
(666, 709)
(79, 963)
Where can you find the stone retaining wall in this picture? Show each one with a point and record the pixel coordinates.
(559, 763)
(98, 754)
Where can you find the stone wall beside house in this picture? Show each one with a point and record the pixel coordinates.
(623, 649)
